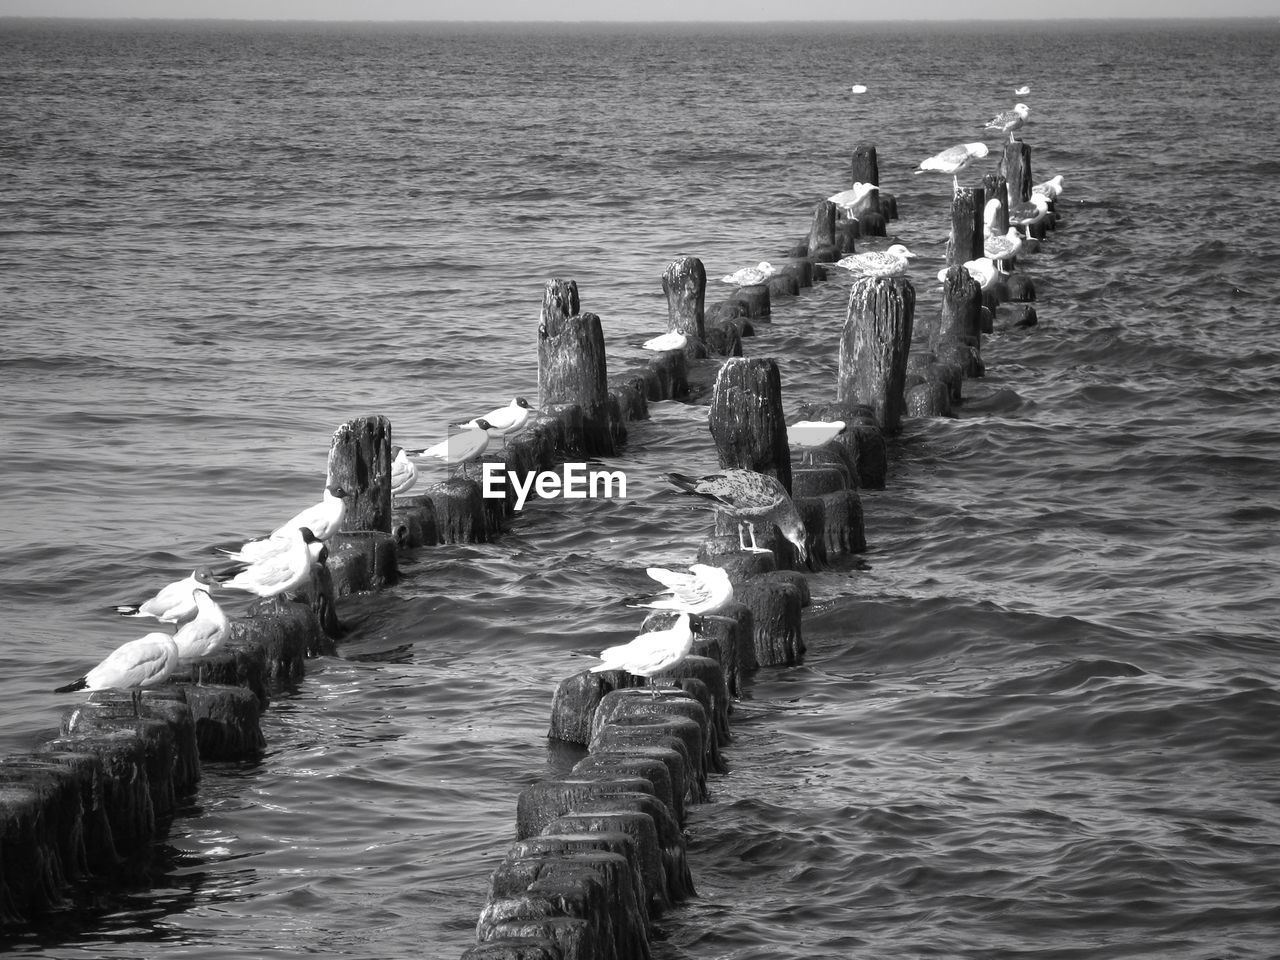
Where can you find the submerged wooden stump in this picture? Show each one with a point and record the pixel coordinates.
(775, 610)
(572, 366)
(360, 462)
(746, 418)
(227, 723)
(459, 508)
(874, 343)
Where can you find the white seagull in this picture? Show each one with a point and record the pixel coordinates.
(146, 662)
(675, 340)
(1023, 90)
(503, 422)
(1003, 248)
(1028, 213)
(322, 519)
(954, 159)
(982, 269)
(173, 602)
(285, 572)
(849, 201)
(990, 217)
(808, 434)
(747, 276)
(651, 653)
(748, 496)
(203, 636)
(877, 263)
(1051, 188)
(461, 447)
(704, 589)
(1008, 120)
(858, 88)
(404, 473)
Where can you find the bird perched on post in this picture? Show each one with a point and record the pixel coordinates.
(954, 159)
(1002, 249)
(322, 521)
(675, 340)
(651, 653)
(1029, 213)
(280, 573)
(747, 276)
(204, 635)
(852, 200)
(747, 497)
(173, 602)
(1008, 121)
(461, 447)
(505, 421)
(704, 589)
(877, 263)
(134, 666)
(404, 473)
(810, 434)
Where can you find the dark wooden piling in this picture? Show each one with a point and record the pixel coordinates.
(360, 463)
(684, 282)
(746, 418)
(874, 343)
(957, 338)
(865, 168)
(413, 521)
(775, 610)
(996, 187)
(227, 722)
(1015, 167)
(965, 240)
(572, 366)
(459, 509)
(822, 233)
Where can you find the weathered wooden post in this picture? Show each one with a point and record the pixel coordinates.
(571, 364)
(865, 169)
(360, 463)
(685, 284)
(965, 241)
(822, 233)
(1015, 167)
(958, 336)
(746, 418)
(874, 343)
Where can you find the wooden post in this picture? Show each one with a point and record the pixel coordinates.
(865, 169)
(746, 418)
(360, 463)
(958, 336)
(874, 344)
(822, 234)
(965, 242)
(685, 284)
(996, 187)
(1015, 167)
(571, 364)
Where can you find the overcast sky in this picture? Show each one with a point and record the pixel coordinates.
(723, 10)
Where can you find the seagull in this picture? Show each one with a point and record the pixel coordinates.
(1050, 188)
(747, 276)
(204, 635)
(1002, 249)
(461, 447)
(849, 200)
(675, 340)
(172, 603)
(1028, 213)
(280, 573)
(954, 159)
(858, 88)
(404, 474)
(323, 519)
(877, 263)
(807, 434)
(133, 666)
(1023, 90)
(651, 653)
(1009, 120)
(748, 496)
(991, 216)
(982, 269)
(704, 589)
(503, 422)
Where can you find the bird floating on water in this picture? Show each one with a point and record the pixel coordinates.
(461, 447)
(675, 340)
(1023, 90)
(1002, 249)
(704, 589)
(748, 497)
(280, 573)
(322, 519)
(858, 88)
(173, 602)
(503, 422)
(954, 159)
(404, 473)
(134, 666)
(1008, 120)
(809, 434)
(746, 276)
(651, 653)
(877, 263)
(850, 200)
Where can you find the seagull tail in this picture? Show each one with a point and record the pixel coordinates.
(73, 685)
(684, 483)
(128, 609)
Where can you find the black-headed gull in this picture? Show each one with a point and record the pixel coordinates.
(704, 589)
(651, 653)
(809, 434)
(404, 473)
(204, 635)
(134, 666)
(461, 447)
(172, 603)
(505, 421)
(280, 573)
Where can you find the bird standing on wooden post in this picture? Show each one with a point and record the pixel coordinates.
(134, 666)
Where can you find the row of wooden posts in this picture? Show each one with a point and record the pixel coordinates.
(87, 806)
(600, 852)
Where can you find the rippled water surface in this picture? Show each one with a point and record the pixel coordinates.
(1039, 718)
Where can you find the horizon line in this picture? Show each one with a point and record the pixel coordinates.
(713, 22)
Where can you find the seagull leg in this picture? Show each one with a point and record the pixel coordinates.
(653, 689)
(136, 696)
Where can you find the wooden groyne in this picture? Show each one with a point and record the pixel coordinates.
(600, 853)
